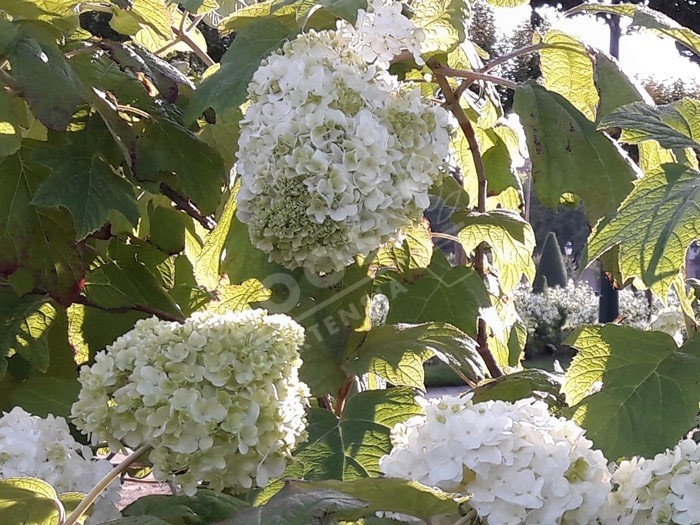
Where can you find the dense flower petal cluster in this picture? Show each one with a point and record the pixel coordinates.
(43, 448)
(382, 33)
(218, 397)
(335, 157)
(520, 464)
(663, 490)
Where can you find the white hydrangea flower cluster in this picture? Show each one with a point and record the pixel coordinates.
(218, 397)
(335, 157)
(664, 490)
(381, 33)
(669, 320)
(43, 448)
(520, 464)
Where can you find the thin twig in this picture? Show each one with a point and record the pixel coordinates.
(6, 78)
(195, 21)
(452, 103)
(80, 51)
(182, 35)
(439, 235)
(186, 205)
(94, 493)
(515, 54)
(472, 75)
(467, 83)
(160, 314)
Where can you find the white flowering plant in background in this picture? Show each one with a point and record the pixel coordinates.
(551, 316)
(43, 448)
(336, 156)
(217, 398)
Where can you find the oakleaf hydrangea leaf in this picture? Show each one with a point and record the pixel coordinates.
(510, 237)
(443, 294)
(442, 22)
(568, 70)
(653, 227)
(558, 137)
(85, 185)
(397, 352)
(641, 373)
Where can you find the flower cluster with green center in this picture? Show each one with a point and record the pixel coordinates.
(520, 464)
(43, 448)
(217, 397)
(335, 156)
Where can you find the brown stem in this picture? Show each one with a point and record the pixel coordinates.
(185, 37)
(515, 54)
(160, 314)
(452, 103)
(186, 205)
(471, 75)
(10, 82)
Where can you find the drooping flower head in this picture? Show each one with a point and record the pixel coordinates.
(43, 448)
(335, 157)
(520, 464)
(218, 397)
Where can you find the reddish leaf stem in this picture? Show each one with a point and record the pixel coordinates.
(452, 103)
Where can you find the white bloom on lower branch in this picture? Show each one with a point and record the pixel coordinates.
(662, 490)
(335, 157)
(218, 398)
(43, 448)
(520, 464)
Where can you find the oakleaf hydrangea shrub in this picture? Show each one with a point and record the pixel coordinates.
(520, 464)
(43, 448)
(335, 155)
(218, 398)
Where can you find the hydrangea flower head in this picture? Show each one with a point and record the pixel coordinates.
(382, 32)
(520, 464)
(217, 397)
(335, 157)
(662, 490)
(43, 448)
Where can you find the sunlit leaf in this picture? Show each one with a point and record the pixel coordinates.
(237, 297)
(393, 495)
(653, 227)
(24, 326)
(442, 22)
(676, 125)
(397, 352)
(568, 70)
(641, 373)
(558, 137)
(29, 501)
(10, 136)
(510, 238)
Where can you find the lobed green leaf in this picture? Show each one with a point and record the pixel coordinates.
(649, 394)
